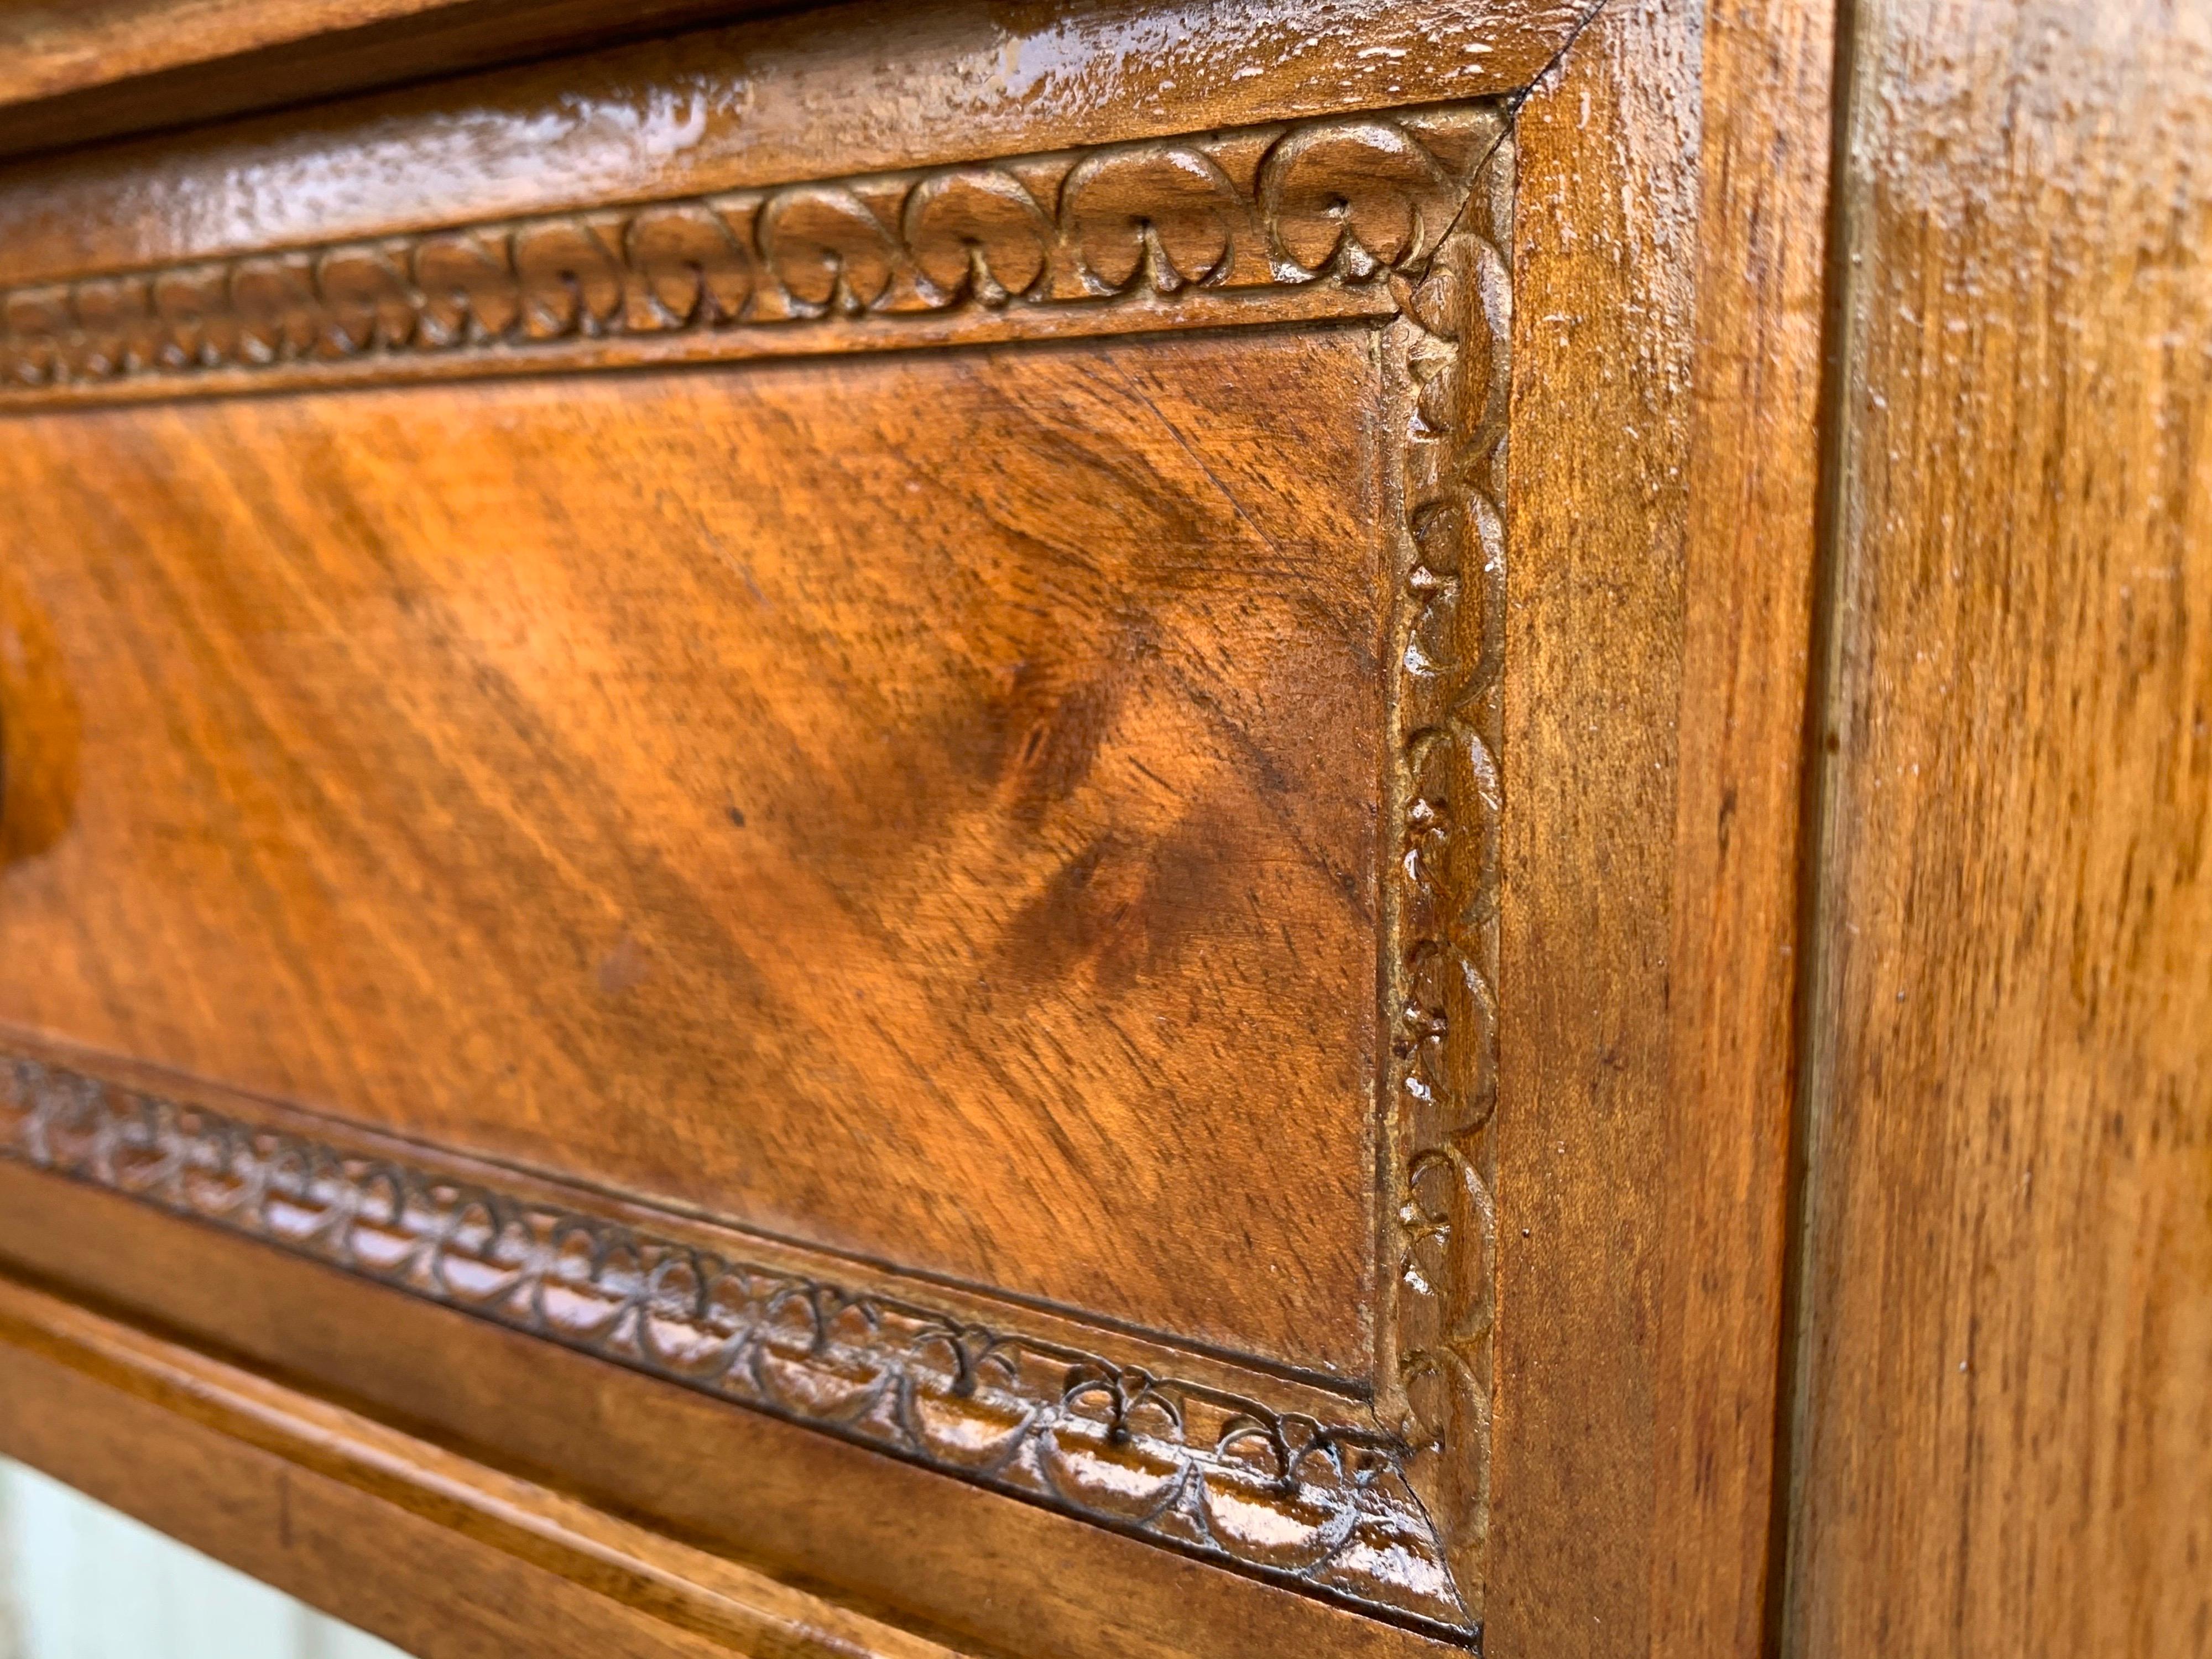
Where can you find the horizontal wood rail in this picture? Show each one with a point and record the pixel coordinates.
(329, 1505)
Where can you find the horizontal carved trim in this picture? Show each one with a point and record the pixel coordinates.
(1298, 221)
(1324, 1507)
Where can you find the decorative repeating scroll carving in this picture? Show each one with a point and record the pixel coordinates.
(1327, 210)
(1323, 1506)
(1448, 350)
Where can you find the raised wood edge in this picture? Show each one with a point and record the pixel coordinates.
(74, 75)
(77, 74)
(1670, 257)
(816, 93)
(48, 52)
(320, 1501)
(880, 1534)
(1303, 221)
(1750, 712)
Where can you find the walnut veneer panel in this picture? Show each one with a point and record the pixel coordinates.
(926, 805)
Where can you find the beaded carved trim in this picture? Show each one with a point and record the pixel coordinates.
(1323, 1506)
(1404, 219)
(1281, 222)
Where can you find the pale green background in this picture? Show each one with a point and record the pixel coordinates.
(79, 1582)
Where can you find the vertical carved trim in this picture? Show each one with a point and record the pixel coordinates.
(1446, 354)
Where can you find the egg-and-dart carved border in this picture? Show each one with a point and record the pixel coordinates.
(1302, 221)
(1394, 1520)
(1322, 1507)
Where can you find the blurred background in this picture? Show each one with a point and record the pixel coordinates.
(78, 1580)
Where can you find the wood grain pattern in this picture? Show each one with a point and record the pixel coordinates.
(1604, 231)
(1669, 271)
(983, 837)
(52, 50)
(1322, 1503)
(1750, 562)
(2007, 1433)
(88, 69)
(881, 1535)
(1361, 203)
(1450, 408)
(427, 718)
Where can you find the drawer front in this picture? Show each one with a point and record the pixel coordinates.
(897, 787)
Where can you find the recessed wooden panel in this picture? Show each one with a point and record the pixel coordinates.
(926, 806)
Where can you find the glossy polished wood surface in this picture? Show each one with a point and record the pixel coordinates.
(922, 805)
(2007, 1439)
(84, 70)
(52, 51)
(870, 890)
(941, 896)
(829, 91)
(436, 1551)
(1142, 830)
(1207, 684)
(806, 1509)
(1750, 567)
(1665, 526)
(1596, 764)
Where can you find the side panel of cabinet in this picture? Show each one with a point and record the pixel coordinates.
(2005, 1439)
(1568, 606)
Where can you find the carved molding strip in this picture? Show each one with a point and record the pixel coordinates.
(1323, 1507)
(1304, 221)
(1449, 355)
